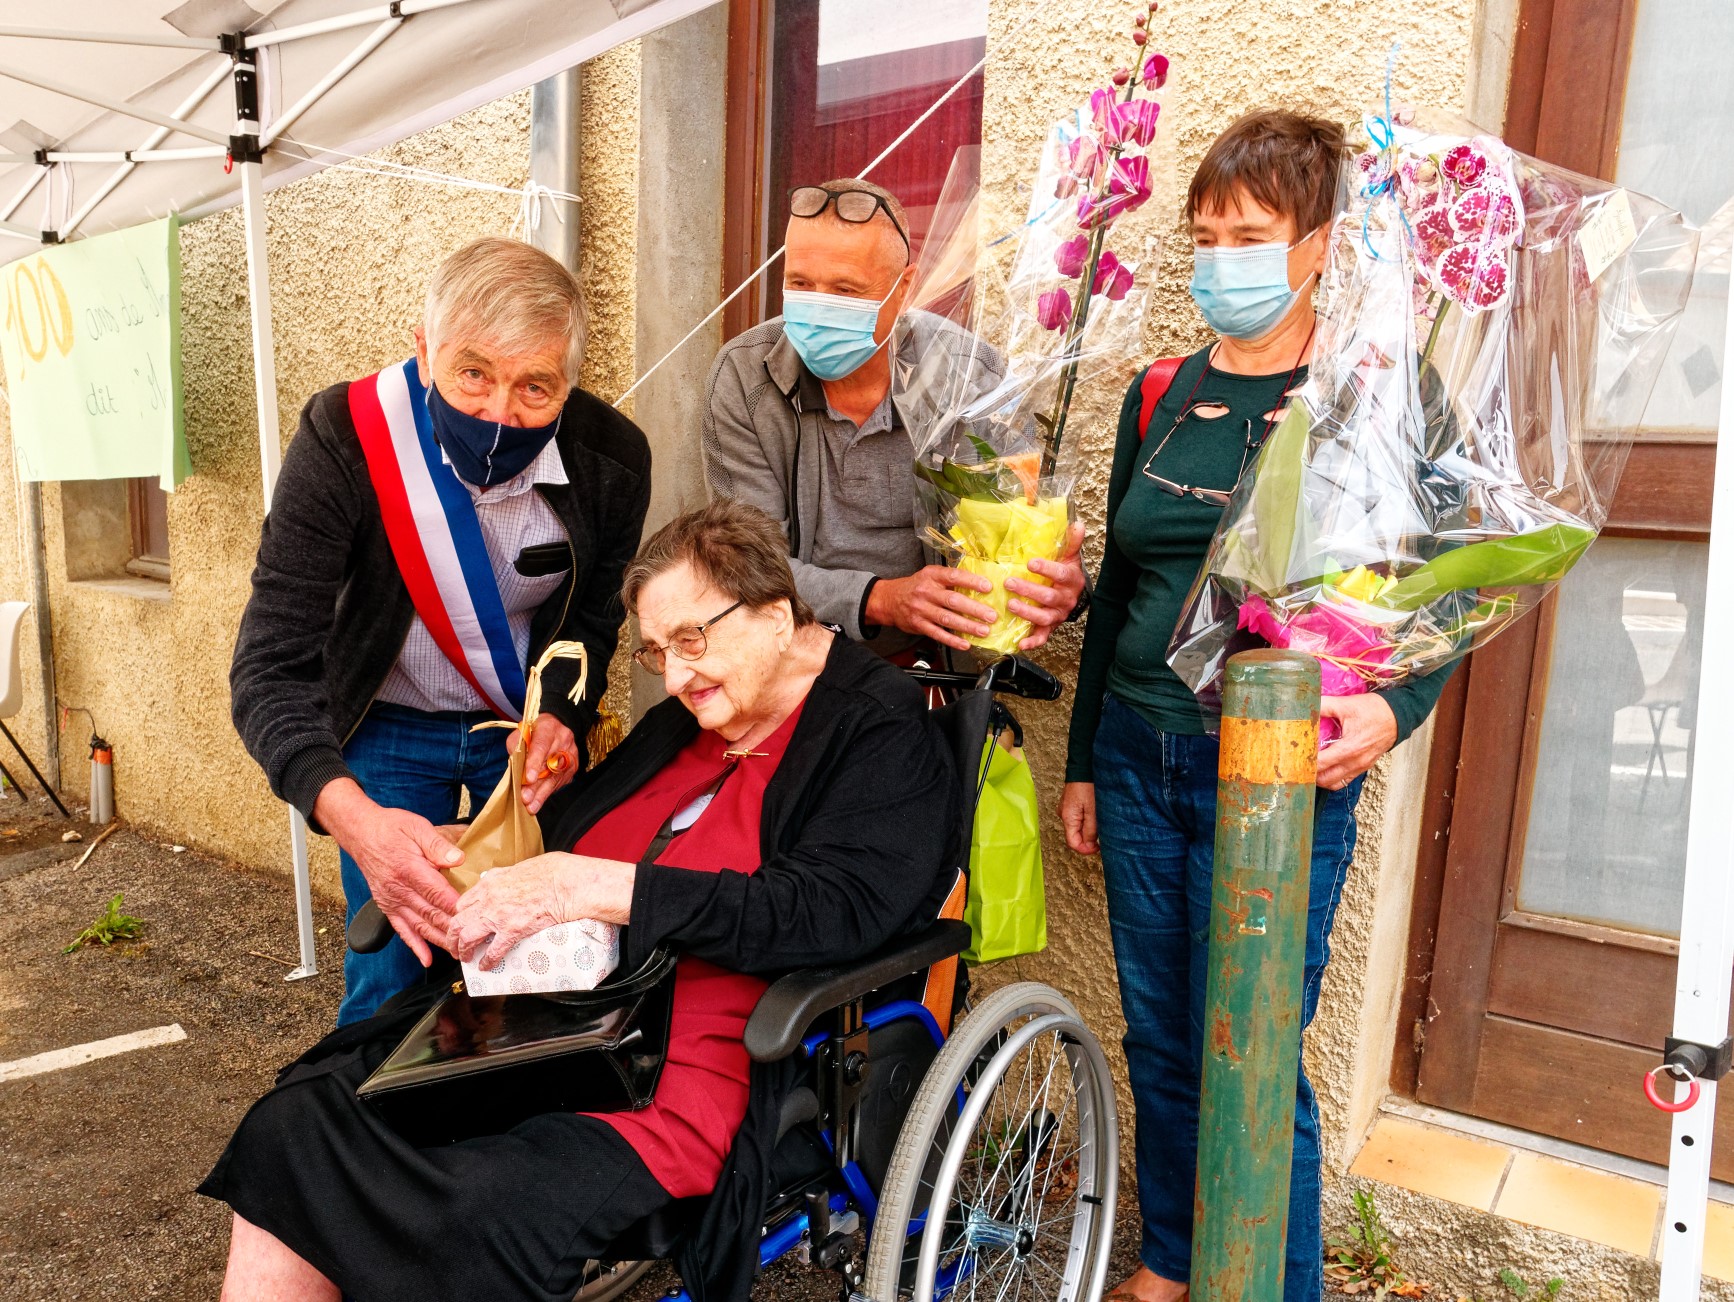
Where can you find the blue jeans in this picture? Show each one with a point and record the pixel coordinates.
(422, 762)
(1156, 818)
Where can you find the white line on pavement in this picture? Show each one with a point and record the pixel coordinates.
(79, 1054)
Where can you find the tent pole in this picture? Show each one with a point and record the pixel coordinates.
(270, 447)
(1701, 989)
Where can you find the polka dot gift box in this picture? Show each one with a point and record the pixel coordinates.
(569, 956)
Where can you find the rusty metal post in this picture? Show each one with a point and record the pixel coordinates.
(1252, 1015)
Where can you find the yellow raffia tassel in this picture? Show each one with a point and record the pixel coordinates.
(504, 832)
(605, 734)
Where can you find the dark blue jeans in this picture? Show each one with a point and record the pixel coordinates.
(410, 759)
(1156, 817)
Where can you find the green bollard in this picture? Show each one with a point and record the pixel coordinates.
(1264, 837)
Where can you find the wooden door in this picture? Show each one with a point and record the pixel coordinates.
(1542, 972)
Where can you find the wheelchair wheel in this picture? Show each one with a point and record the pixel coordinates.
(1005, 1173)
(604, 1283)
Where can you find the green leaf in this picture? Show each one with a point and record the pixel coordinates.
(983, 448)
(960, 481)
(1263, 536)
(1541, 556)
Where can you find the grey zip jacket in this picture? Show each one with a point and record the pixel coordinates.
(765, 413)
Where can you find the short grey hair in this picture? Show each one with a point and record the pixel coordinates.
(510, 294)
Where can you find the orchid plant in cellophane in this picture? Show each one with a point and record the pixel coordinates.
(1489, 330)
(1041, 304)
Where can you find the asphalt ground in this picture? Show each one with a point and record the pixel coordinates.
(98, 1161)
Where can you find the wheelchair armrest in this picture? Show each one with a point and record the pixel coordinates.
(368, 931)
(794, 1002)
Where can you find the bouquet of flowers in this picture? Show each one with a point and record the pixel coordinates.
(1489, 330)
(1031, 309)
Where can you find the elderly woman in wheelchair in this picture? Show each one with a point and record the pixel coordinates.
(794, 811)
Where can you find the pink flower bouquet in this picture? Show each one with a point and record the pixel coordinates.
(1489, 330)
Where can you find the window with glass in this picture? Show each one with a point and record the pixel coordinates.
(845, 79)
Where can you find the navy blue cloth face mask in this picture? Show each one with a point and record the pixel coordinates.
(485, 452)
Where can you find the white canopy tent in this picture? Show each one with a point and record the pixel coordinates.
(125, 120)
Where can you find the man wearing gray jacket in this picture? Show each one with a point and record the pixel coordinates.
(800, 420)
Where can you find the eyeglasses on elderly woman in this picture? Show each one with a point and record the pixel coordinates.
(688, 643)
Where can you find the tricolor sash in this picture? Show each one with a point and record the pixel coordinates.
(430, 520)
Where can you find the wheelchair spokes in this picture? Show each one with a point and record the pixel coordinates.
(1025, 1175)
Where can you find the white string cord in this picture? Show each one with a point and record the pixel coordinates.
(405, 171)
(766, 264)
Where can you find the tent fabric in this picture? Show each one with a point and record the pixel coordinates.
(426, 67)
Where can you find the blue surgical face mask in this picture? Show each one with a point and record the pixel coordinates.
(1243, 292)
(485, 452)
(832, 332)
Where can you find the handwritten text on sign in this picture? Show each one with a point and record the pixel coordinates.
(90, 338)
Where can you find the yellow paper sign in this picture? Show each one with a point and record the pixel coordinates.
(90, 336)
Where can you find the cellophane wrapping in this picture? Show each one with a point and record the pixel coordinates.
(1489, 330)
(978, 407)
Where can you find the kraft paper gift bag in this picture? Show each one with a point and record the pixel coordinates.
(569, 956)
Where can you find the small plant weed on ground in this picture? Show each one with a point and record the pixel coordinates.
(1362, 1264)
(110, 925)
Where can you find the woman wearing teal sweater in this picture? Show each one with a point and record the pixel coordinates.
(1141, 769)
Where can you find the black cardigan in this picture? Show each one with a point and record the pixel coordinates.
(329, 610)
(860, 834)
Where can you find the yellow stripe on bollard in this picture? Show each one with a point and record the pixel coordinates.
(1270, 750)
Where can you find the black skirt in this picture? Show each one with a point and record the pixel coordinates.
(506, 1217)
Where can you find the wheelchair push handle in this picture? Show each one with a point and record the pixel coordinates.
(1010, 676)
(368, 931)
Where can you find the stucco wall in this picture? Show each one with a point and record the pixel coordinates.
(350, 251)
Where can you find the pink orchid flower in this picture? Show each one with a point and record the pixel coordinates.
(1331, 632)
(1083, 157)
(1156, 71)
(1465, 164)
(1129, 183)
(1113, 278)
(1071, 256)
(1054, 309)
(1140, 121)
(1105, 110)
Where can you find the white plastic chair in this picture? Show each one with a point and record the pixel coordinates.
(12, 691)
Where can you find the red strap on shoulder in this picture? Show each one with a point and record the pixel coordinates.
(1154, 387)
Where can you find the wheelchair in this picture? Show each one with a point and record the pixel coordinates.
(919, 1158)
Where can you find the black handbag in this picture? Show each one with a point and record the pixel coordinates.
(480, 1066)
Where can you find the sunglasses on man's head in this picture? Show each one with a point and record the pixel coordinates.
(855, 206)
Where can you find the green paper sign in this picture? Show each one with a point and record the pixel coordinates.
(90, 336)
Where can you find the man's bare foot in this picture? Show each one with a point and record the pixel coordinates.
(1147, 1286)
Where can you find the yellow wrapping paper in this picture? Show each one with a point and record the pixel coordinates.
(505, 832)
(998, 541)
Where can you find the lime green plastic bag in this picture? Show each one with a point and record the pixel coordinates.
(1007, 908)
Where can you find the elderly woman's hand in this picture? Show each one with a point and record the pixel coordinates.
(508, 904)
(1047, 605)
(1369, 730)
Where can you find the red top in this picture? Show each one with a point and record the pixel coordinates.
(685, 1133)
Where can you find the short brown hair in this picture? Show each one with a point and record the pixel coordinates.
(1287, 161)
(738, 549)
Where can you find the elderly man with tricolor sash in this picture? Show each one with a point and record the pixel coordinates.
(436, 526)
